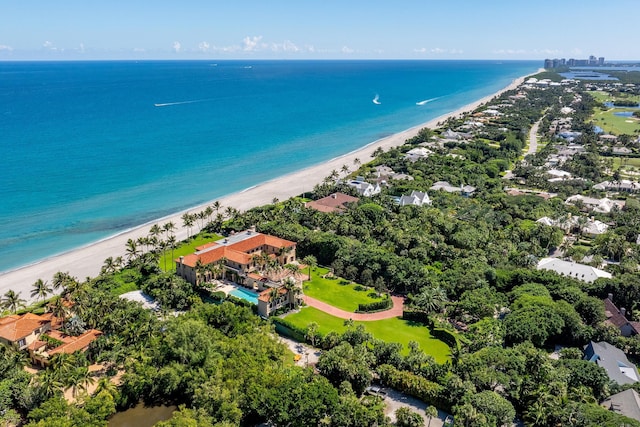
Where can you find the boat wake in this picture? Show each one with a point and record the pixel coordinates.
(167, 104)
(376, 100)
(426, 101)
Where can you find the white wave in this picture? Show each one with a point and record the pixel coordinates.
(376, 100)
(426, 101)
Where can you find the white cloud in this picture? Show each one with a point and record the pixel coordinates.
(250, 44)
(420, 50)
(456, 51)
(47, 44)
(139, 49)
(438, 50)
(510, 51)
(176, 47)
(309, 48)
(203, 46)
(5, 48)
(347, 50)
(81, 48)
(286, 46)
(547, 51)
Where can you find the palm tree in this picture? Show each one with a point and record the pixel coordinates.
(49, 382)
(105, 384)
(155, 231)
(132, 250)
(169, 228)
(109, 266)
(58, 309)
(61, 279)
(41, 289)
(12, 301)
(187, 221)
(430, 299)
(171, 243)
(431, 412)
(345, 169)
(311, 261)
(84, 378)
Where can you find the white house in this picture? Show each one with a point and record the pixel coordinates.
(603, 205)
(416, 198)
(364, 188)
(583, 272)
(417, 153)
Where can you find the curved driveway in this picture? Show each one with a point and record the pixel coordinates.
(395, 311)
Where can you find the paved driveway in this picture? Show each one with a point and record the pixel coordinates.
(395, 400)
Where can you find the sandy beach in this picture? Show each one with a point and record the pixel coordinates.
(87, 261)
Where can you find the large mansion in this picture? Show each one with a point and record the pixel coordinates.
(249, 258)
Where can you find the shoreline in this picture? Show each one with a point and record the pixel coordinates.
(86, 261)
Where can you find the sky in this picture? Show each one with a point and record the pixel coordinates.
(312, 29)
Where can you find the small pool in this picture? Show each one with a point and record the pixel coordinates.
(245, 294)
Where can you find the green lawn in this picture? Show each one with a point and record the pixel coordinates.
(390, 330)
(186, 249)
(338, 292)
(616, 124)
(126, 280)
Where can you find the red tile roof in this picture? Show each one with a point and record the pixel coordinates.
(332, 203)
(77, 343)
(614, 317)
(236, 252)
(265, 295)
(14, 328)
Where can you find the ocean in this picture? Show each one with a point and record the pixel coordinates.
(90, 149)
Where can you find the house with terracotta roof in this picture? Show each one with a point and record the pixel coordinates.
(19, 331)
(238, 255)
(271, 300)
(336, 202)
(56, 342)
(617, 317)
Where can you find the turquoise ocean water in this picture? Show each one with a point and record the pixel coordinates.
(90, 149)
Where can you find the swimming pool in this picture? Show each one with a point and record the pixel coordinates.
(245, 294)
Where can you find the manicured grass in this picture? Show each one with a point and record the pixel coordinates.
(338, 292)
(626, 162)
(186, 249)
(389, 330)
(126, 280)
(616, 124)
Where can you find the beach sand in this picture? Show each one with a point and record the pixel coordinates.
(86, 261)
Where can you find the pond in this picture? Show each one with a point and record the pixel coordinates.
(141, 416)
(624, 113)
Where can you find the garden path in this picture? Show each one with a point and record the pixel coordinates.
(395, 311)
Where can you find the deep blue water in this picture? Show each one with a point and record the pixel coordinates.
(90, 149)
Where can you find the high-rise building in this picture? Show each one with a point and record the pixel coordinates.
(601, 60)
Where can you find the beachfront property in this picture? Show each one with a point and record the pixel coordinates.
(417, 153)
(363, 187)
(20, 331)
(251, 259)
(56, 342)
(582, 272)
(39, 335)
(240, 256)
(336, 202)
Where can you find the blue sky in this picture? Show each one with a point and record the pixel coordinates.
(310, 29)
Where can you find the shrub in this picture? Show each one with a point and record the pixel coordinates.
(414, 385)
(381, 305)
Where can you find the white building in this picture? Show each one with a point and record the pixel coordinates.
(583, 272)
(416, 198)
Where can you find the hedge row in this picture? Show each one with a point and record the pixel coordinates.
(414, 385)
(384, 304)
(284, 327)
(417, 316)
(446, 336)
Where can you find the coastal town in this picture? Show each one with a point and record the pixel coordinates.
(483, 272)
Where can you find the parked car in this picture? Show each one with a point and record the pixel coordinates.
(375, 391)
(448, 422)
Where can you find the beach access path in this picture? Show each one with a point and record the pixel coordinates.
(86, 261)
(395, 311)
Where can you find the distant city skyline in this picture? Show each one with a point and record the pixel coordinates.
(330, 29)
